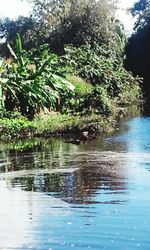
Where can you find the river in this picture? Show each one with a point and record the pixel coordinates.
(56, 195)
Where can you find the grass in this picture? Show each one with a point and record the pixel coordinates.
(54, 125)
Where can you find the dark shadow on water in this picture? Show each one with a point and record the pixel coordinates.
(92, 177)
(78, 187)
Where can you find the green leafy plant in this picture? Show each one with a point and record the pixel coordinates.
(80, 99)
(32, 80)
(103, 70)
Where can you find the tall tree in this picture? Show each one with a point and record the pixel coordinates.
(76, 22)
(60, 22)
(141, 10)
(138, 47)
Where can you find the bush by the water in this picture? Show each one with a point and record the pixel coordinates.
(31, 80)
(85, 75)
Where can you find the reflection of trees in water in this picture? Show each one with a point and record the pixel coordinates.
(35, 154)
(78, 187)
(82, 186)
(94, 175)
(39, 183)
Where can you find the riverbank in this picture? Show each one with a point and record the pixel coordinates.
(55, 124)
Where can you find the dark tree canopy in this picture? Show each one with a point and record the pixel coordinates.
(9, 28)
(138, 47)
(141, 10)
(61, 22)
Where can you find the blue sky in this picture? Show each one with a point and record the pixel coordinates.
(13, 8)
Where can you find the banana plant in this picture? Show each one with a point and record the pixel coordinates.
(31, 81)
(2, 82)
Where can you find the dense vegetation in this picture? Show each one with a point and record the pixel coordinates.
(138, 47)
(66, 57)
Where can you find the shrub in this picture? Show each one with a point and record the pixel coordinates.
(32, 80)
(16, 127)
(99, 67)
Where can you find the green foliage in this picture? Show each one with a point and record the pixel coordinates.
(101, 100)
(22, 25)
(54, 124)
(31, 82)
(95, 65)
(102, 69)
(61, 22)
(35, 79)
(10, 128)
(70, 124)
(129, 94)
(82, 87)
(80, 99)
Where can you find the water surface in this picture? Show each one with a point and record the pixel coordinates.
(96, 195)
